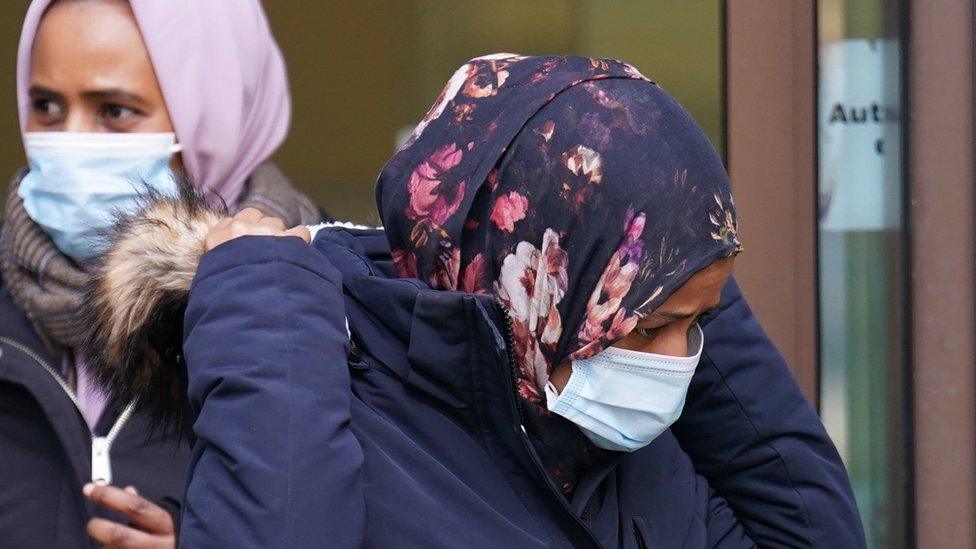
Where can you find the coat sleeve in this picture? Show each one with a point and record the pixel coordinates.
(275, 463)
(722, 527)
(750, 432)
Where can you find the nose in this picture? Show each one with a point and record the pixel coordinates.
(77, 120)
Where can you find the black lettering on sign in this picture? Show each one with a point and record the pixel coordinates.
(876, 112)
(859, 114)
(837, 114)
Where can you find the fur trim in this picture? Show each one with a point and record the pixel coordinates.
(136, 299)
(135, 302)
(314, 229)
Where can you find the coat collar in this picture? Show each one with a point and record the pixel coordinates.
(423, 335)
(20, 351)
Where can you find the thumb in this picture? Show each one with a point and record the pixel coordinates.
(300, 231)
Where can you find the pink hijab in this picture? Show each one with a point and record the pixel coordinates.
(221, 74)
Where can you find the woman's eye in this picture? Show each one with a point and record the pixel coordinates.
(647, 332)
(117, 112)
(46, 108)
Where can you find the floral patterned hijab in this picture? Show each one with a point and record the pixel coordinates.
(573, 189)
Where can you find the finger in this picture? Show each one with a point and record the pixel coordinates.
(132, 490)
(237, 229)
(255, 229)
(300, 231)
(223, 223)
(113, 534)
(216, 238)
(249, 214)
(141, 512)
(273, 222)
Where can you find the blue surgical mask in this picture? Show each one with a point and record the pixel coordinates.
(78, 182)
(621, 399)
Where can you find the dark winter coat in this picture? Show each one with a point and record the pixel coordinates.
(409, 434)
(45, 448)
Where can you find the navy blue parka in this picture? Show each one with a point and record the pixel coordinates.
(402, 430)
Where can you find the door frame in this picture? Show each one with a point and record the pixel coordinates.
(940, 172)
(771, 87)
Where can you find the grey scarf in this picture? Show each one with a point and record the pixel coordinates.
(49, 287)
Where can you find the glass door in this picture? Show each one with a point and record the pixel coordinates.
(861, 255)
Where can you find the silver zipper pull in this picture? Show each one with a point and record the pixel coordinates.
(101, 471)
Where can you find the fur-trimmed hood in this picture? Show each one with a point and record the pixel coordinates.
(136, 299)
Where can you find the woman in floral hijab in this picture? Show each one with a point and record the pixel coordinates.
(574, 190)
(574, 199)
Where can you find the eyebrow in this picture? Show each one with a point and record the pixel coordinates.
(41, 90)
(673, 316)
(114, 94)
(108, 94)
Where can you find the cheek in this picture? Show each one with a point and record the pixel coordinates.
(672, 342)
(32, 124)
(157, 121)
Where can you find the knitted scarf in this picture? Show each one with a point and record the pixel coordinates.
(49, 287)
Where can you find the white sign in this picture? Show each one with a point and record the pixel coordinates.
(859, 143)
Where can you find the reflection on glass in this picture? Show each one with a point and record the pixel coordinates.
(861, 249)
(397, 54)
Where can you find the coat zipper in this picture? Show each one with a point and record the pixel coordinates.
(101, 463)
(520, 414)
(512, 363)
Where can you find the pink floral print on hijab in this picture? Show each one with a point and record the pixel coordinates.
(573, 189)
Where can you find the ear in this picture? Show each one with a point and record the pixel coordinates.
(136, 299)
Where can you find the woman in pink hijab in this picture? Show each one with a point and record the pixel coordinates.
(109, 92)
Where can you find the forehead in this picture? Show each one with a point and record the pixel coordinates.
(704, 286)
(94, 43)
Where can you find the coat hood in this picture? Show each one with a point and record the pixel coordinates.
(398, 321)
(136, 299)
